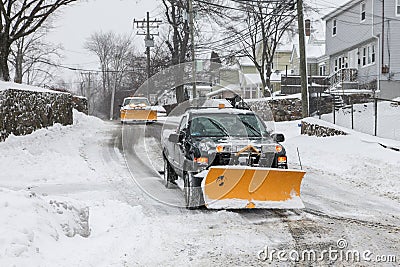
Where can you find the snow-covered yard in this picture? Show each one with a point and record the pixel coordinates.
(67, 199)
(364, 119)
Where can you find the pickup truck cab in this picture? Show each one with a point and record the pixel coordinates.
(219, 137)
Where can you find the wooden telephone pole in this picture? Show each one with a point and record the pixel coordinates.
(88, 76)
(191, 23)
(303, 61)
(146, 25)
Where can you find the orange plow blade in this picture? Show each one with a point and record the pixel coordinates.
(231, 187)
(139, 115)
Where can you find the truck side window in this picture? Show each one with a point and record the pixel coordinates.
(183, 124)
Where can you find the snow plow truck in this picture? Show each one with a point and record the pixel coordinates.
(137, 109)
(228, 159)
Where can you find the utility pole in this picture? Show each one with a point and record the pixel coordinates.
(383, 37)
(146, 25)
(303, 61)
(191, 23)
(88, 75)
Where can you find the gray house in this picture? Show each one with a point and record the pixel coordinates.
(363, 45)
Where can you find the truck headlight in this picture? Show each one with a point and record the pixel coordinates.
(282, 160)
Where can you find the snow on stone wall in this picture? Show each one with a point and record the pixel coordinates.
(282, 109)
(80, 104)
(22, 111)
(312, 129)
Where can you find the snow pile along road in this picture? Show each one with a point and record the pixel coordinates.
(55, 206)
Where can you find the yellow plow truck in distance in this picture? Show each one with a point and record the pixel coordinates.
(228, 159)
(137, 109)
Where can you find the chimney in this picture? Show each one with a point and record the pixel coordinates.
(307, 27)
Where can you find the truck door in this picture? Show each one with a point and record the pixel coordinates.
(179, 147)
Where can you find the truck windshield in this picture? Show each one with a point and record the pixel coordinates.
(136, 101)
(227, 124)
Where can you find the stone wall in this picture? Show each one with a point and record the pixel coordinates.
(22, 112)
(282, 109)
(318, 130)
(80, 104)
(290, 108)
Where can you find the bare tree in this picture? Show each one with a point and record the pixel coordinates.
(33, 59)
(178, 38)
(113, 52)
(121, 50)
(102, 44)
(265, 26)
(19, 18)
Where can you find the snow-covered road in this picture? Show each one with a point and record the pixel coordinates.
(90, 195)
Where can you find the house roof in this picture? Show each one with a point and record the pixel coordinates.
(341, 9)
(252, 78)
(245, 61)
(312, 50)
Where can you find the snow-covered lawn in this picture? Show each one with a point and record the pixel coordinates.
(364, 119)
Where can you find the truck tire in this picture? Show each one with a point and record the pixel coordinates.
(168, 174)
(193, 192)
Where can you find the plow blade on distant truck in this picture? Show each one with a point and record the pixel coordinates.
(231, 187)
(139, 115)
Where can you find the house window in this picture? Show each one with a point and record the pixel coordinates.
(334, 26)
(364, 56)
(322, 70)
(368, 55)
(362, 5)
(397, 7)
(373, 53)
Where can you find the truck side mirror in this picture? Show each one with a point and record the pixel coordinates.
(278, 138)
(173, 138)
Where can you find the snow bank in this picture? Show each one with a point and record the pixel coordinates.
(30, 223)
(48, 155)
(55, 202)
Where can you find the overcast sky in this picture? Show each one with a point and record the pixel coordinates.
(77, 22)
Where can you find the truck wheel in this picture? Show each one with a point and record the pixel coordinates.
(167, 173)
(193, 192)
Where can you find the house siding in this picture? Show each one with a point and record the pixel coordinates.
(350, 30)
(392, 37)
(352, 35)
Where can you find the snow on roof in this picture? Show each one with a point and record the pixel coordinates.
(245, 61)
(230, 88)
(16, 86)
(340, 8)
(287, 47)
(252, 78)
(275, 77)
(214, 103)
(312, 50)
